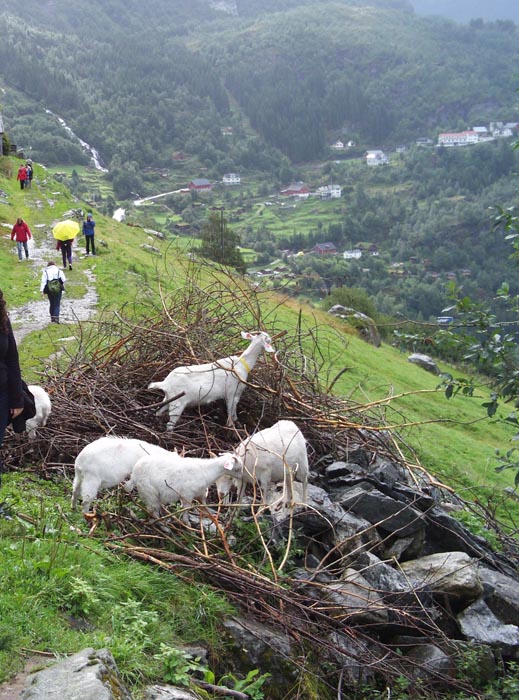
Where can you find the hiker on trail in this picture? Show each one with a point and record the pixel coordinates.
(89, 233)
(52, 284)
(11, 396)
(66, 252)
(22, 176)
(21, 233)
(30, 172)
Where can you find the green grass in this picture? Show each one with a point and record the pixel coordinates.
(62, 592)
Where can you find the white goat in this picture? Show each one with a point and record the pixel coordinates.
(43, 409)
(106, 462)
(274, 454)
(164, 479)
(202, 384)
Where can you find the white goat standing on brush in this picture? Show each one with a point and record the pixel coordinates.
(202, 384)
(164, 479)
(271, 455)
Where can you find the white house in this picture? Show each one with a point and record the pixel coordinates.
(376, 158)
(337, 145)
(354, 254)
(231, 179)
(458, 138)
(330, 192)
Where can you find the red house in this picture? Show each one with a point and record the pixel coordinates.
(200, 184)
(325, 249)
(296, 189)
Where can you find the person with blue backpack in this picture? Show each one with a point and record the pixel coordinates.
(89, 233)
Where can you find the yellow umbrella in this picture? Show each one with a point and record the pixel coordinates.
(65, 230)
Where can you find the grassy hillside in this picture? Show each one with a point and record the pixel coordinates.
(54, 576)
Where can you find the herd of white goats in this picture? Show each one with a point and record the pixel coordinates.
(162, 477)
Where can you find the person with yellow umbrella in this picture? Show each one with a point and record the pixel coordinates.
(65, 232)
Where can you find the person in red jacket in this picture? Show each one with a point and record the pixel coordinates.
(22, 176)
(21, 233)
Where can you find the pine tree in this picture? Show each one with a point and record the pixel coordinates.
(220, 244)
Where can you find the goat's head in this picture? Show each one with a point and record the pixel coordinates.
(232, 461)
(265, 338)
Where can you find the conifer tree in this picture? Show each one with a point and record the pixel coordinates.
(220, 244)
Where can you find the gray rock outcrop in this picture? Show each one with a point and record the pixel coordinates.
(87, 675)
(425, 362)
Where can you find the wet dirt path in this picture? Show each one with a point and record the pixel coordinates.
(34, 315)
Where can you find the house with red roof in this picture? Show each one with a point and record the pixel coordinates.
(200, 183)
(325, 249)
(296, 189)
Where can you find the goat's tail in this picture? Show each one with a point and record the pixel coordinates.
(155, 385)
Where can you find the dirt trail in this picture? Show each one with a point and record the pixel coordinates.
(34, 315)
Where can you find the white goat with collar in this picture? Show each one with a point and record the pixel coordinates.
(203, 384)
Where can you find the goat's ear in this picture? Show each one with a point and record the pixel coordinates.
(246, 335)
(229, 464)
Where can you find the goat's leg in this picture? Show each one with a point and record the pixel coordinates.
(175, 411)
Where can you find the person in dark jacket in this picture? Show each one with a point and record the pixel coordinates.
(21, 233)
(66, 252)
(11, 395)
(89, 232)
(30, 172)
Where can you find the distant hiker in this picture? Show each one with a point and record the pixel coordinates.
(52, 284)
(29, 171)
(21, 233)
(66, 252)
(89, 233)
(22, 176)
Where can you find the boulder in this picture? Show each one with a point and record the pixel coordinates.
(425, 362)
(253, 645)
(479, 624)
(353, 600)
(323, 526)
(453, 574)
(429, 662)
(381, 510)
(87, 675)
(501, 595)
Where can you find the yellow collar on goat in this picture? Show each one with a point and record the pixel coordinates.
(245, 364)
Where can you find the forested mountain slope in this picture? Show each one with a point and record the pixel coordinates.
(141, 82)
(466, 10)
